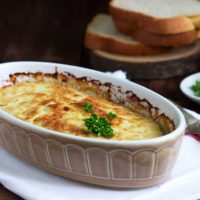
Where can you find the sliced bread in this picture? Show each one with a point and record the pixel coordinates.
(157, 16)
(172, 40)
(101, 34)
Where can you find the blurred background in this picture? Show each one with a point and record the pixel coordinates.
(45, 30)
(49, 30)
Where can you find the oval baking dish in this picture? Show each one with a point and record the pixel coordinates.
(110, 163)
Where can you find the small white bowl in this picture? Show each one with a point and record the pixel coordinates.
(186, 84)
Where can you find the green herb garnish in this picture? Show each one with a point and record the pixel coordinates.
(196, 88)
(88, 107)
(99, 126)
(112, 115)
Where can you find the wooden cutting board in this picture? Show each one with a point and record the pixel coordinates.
(179, 61)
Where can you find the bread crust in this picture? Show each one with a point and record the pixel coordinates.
(173, 25)
(123, 28)
(196, 21)
(172, 40)
(110, 44)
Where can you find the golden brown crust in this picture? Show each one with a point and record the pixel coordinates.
(93, 87)
(198, 34)
(112, 45)
(196, 21)
(60, 108)
(123, 28)
(155, 25)
(172, 40)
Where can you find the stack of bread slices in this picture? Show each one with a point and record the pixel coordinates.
(149, 38)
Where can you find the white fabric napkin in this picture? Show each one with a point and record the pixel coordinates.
(34, 184)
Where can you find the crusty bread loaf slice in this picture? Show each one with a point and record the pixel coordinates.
(172, 40)
(196, 21)
(157, 16)
(198, 34)
(101, 34)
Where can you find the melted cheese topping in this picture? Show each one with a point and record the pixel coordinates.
(59, 108)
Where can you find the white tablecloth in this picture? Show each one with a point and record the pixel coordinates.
(34, 184)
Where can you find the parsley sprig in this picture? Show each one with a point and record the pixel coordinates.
(111, 115)
(98, 125)
(88, 107)
(196, 88)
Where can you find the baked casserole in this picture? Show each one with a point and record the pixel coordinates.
(61, 107)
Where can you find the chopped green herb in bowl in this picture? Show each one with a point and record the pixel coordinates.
(196, 88)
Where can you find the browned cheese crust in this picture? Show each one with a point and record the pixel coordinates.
(59, 108)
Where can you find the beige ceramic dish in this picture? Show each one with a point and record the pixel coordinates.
(110, 163)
